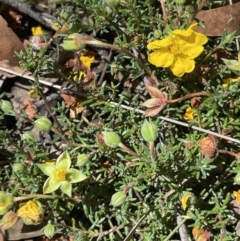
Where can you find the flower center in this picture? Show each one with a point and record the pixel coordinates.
(61, 174)
(174, 48)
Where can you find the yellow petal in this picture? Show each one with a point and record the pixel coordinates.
(193, 26)
(182, 32)
(189, 114)
(228, 81)
(157, 44)
(192, 51)
(161, 58)
(37, 31)
(182, 65)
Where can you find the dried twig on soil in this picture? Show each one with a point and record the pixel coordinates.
(29, 10)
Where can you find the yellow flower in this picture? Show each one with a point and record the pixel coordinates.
(178, 51)
(37, 31)
(228, 81)
(237, 196)
(32, 92)
(31, 212)
(86, 60)
(189, 114)
(187, 199)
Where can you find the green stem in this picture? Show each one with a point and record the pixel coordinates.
(125, 148)
(174, 230)
(31, 196)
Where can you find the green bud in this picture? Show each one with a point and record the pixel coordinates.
(149, 131)
(82, 159)
(181, 2)
(74, 42)
(237, 179)
(112, 3)
(43, 124)
(111, 138)
(19, 168)
(49, 230)
(6, 202)
(27, 136)
(118, 198)
(8, 220)
(7, 107)
(157, 34)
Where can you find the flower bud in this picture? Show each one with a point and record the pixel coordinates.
(111, 138)
(31, 212)
(112, 3)
(157, 34)
(237, 179)
(149, 131)
(82, 159)
(6, 202)
(181, 2)
(7, 107)
(43, 124)
(74, 42)
(27, 136)
(19, 168)
(118, 198)
(8, 220)
(49, 230)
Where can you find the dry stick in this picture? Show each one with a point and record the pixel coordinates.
(28, 10)
(162, 2)
(105, 68)
(113, 104)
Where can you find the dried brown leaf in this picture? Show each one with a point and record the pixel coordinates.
(154, 102)
(30, 110)
(155, 92)
(75, 110)
(218, 19)
(69, 99)
(208, 146)
(201, 235)
(153, 111)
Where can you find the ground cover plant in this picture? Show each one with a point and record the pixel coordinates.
(131, 128)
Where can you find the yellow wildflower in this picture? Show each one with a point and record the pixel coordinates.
(187, 199)
(237, 196)
(31, 212)
(32, 92)
(229, 81)
(189, 114)
(178, 51)
(86, 60)
(37, 31)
